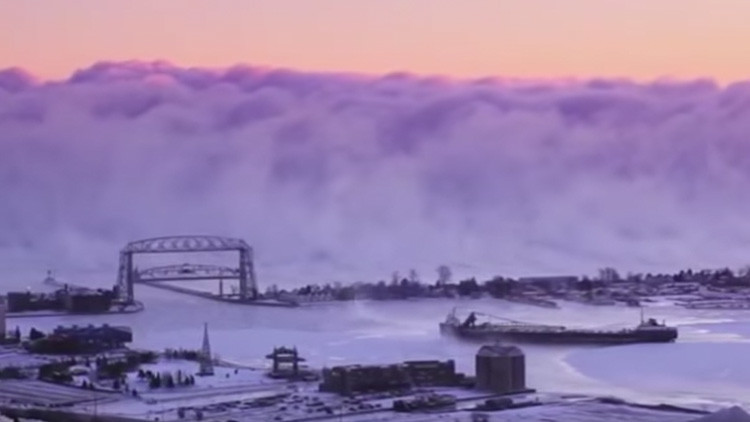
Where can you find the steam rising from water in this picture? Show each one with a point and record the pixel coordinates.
(343, 176)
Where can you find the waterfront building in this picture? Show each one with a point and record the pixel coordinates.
(81, 339)
(351, 379)
(371, 378)
(432, 373)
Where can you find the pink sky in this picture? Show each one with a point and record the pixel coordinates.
(640, 39)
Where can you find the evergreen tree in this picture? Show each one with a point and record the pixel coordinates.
(155, 382)
(35, 334)
(444, 275)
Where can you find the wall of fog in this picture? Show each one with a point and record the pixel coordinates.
(343, 177)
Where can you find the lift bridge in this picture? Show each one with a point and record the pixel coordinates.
(127, 276)
(186, 272)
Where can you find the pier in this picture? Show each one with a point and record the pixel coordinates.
(132, 308)
(218, 298)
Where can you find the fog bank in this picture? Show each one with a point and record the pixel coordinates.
(344, 176)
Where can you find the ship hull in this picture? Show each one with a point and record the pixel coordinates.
(560, 337)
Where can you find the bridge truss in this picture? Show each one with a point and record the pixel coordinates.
(186, 272)
(127, 276)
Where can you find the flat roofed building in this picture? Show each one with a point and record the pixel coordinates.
(371, 378)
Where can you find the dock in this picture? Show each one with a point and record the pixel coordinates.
(117, 307)
(215, 297)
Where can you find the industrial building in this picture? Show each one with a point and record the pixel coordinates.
(71, 300)
(81, 301)
(361, 379)
(371, 378)
(500, 369)
(28, 301)
(104, 333)
(432, 373)
(75, 339)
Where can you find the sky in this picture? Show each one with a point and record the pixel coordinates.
(640, 40)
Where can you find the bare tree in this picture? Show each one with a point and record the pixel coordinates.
(444, 274)
(413, 276)
(608, 275)
(395, 277)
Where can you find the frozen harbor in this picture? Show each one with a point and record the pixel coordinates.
(705, 368)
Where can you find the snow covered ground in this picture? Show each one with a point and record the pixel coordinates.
(301, 402)
(12, 356)
(228, 384)
(38, 393)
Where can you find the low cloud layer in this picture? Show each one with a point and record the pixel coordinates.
(347, 176)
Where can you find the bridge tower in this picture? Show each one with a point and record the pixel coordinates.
(247, 274)
(125, 277)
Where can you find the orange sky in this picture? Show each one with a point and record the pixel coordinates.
(641, 39)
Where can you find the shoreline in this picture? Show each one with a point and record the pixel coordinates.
(135, 308)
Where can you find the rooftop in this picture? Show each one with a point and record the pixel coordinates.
(499, 350)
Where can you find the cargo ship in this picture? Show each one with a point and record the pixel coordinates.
(648, 331)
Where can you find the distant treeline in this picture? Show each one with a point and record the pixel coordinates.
(412, 287)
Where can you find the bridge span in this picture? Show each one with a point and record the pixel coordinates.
(186, 272)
